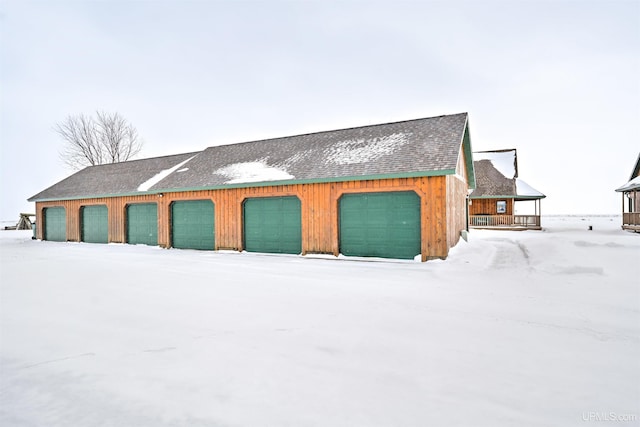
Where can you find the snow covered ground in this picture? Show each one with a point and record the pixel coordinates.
(514, 329)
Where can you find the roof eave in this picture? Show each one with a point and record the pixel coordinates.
(418, 174)
(468, 154)
(510, 196)
(632, 185)
(542, 196)
(628, 189)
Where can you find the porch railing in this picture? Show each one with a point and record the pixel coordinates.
(522, 221)
(631, 218)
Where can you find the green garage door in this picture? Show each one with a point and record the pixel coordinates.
(380, 224)
(95, 224)
(273, 224)
(192, 224)
(55, 224)
(142, 224)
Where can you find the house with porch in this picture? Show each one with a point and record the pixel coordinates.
(498, 189)
(631, 200)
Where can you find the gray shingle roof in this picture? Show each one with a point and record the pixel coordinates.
(429, 146)
(110, 179)
(497, 176)
(490, 182)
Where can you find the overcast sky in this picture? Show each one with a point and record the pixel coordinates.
(557, 80)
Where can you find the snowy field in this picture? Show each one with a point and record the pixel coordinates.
(514, 329)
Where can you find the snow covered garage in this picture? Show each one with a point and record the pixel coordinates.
(393, 190)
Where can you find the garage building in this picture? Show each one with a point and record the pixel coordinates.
(395, 190)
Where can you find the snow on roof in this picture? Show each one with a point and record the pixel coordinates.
(503, 160)
(525, 190)
(160, 176)
(252, 172)
(111, 178)
(497, 175)
(361, 150)
(418, 147)
(634, 184)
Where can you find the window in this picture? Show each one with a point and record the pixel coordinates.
(501, 206)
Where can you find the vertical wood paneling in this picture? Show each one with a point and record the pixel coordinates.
(442, 211)
(431, 223)
(163, 222)
(489, 206)
(456, 209)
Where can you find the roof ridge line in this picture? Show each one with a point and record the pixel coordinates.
(337, 130)
(195, 153)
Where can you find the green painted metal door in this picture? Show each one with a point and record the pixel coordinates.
(273, 224)
(383, 225)
(95, 224)
(55, 224)
(142, 224)
(192, 224)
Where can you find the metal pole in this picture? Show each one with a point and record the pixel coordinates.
(467, 213)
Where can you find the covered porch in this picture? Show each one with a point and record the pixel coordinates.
(507, 220)
(631, 200)
(631, 221)
(631, 205)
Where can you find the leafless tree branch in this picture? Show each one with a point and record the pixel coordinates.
(109, 138)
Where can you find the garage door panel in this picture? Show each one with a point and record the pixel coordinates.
(142, 224)
(193, 224)
(95, 224)
(350, 217)
(55, 224)
(380, 224)
(273, 224)
(289, 218)
(404, 235)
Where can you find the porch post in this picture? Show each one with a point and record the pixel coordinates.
(540, 213)
(635, 215)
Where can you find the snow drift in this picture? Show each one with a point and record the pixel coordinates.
(515, 328)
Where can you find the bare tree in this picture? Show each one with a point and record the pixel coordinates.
(88, 141)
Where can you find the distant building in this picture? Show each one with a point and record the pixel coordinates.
(395, 190)
(631, 200)
(498, 189)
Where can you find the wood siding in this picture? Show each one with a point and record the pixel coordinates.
(489, 206)
(456, 203)
(456, 208)
(443, 211)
